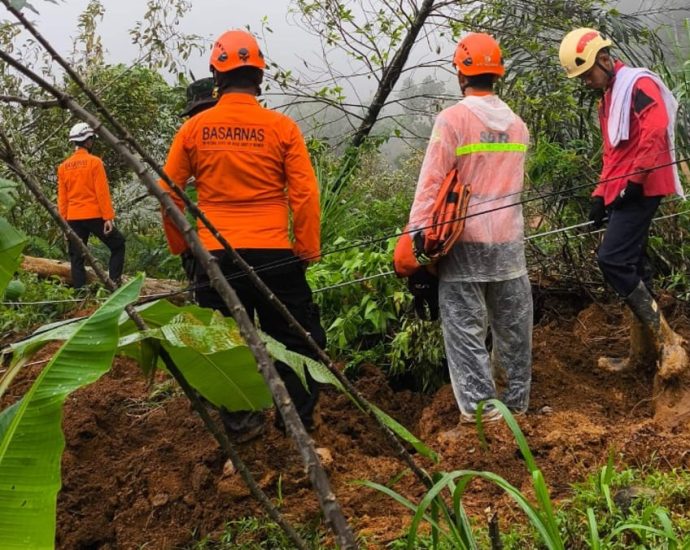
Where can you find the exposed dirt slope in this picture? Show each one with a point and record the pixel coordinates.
(142, 472)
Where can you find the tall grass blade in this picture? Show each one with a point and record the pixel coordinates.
(552, 542)
(594, 540)
(514, 427)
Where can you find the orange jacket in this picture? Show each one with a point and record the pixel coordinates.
(251, 168)
(83, 191)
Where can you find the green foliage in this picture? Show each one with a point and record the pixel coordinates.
(417, 351)
(373, 320)
(355, 312)
(162, 44)
(11, 241)
(629, 507)
(14, 290)
(31, 440)
(213, 358)
(252, 533)
(636, 519)
(333, 177)
(148, 251)
(18, 318)
(11, 245)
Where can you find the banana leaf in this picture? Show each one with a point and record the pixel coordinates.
(213, 358)
(31, 439)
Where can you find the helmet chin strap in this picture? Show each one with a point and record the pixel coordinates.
(609, 72)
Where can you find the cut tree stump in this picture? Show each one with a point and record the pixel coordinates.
(46, 268)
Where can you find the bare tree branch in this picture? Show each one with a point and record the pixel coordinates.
(28, 102)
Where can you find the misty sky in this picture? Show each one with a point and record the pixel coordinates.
(207, 18)
(287, 45)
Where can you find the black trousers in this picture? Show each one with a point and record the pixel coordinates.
(289, 284)
(113, 240)
(622, 255)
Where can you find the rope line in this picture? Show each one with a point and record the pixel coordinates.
(367, 242)
(145, 298)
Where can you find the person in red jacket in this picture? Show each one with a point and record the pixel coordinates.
(84, 202)
(637, 117)
(253, 177)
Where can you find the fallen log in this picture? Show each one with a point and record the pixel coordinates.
(46, 268)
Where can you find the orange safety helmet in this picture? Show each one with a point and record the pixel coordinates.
(235, 49)
(478, 53)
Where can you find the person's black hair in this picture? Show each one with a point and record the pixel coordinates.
(243, 77)
(483, 81)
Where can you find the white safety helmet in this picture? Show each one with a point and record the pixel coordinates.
(81, 132)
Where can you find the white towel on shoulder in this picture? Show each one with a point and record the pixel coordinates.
(619, 114)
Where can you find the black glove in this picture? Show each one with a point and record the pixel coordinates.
(424, 287)
(189, 264)
(597, 212)
(632, 192)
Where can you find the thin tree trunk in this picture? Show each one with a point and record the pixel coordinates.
(391, 74)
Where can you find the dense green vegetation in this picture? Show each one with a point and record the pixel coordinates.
(365, 196)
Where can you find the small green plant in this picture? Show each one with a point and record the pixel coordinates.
(358, 315)
(20, 314)
(649, 525)
(368, 315)
(417, 351)
(252, 533)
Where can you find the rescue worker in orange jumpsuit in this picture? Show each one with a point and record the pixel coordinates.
(483, 280)
(84, 202)
(252, 172)
(637, 117)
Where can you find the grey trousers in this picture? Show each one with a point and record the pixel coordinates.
(467, 311)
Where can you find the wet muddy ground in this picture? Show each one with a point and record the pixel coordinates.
(139, 470)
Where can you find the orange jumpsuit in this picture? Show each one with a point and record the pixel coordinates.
(83, 191)
(84, 201)
(251, 169)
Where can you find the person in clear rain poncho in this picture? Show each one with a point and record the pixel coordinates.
(483, 280)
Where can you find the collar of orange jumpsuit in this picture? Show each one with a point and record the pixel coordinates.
(251, 169)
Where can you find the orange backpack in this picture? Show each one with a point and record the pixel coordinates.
(416, 249)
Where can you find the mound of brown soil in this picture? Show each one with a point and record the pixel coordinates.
(141, 471)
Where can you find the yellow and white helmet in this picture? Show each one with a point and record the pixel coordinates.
(579, 50)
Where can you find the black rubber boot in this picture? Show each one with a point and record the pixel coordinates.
(673, 359)
(243, 426)
(645, 308)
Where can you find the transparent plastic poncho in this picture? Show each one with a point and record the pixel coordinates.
(487, 142)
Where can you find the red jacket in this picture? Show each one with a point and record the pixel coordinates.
(252, 170)
(83, 191)
(647, 147)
